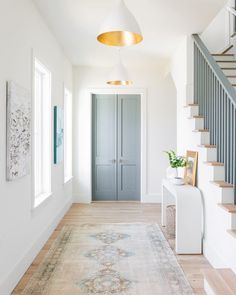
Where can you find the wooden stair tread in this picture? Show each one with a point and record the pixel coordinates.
(224, 61)
(233, 35)
(228, 69)
(221, 54)
(191, 105)
(230, 208)
(196, 117)
(217, 282)
(232, 233)
(230, 76)
(222, 184)
(212, 163)
(200, 130)
(207, 146)
(227, 49)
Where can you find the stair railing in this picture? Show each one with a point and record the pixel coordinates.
(216, 98)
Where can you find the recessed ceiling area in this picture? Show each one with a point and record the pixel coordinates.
(75, 23)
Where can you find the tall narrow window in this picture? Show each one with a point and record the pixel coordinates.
(67, 135)
(42, 133)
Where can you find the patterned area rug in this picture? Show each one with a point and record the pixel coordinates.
(109, 259)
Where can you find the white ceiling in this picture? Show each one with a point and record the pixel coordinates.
(75, 24)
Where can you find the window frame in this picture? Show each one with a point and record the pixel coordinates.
(46, 139)
(68, 176)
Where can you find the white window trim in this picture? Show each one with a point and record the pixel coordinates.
(68, 178)
(39, 201)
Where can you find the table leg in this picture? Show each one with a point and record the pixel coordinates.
(163, 207)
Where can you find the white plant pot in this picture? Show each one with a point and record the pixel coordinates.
(178, 181)
(171, 172)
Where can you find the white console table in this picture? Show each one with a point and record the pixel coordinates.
(188, 201)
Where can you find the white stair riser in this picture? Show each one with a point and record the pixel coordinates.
(232, 80)
(224, 57)
(192, 111)
(197, 123)
(227, 64)
(226, 219)
(227, 195)
(202, 138)
(233, 221)
(216, 173)
(221, 195)
(208, 154)
(229, 72)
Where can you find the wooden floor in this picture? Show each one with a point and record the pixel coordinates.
(125, 212)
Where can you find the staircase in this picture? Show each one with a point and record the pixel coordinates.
(214, 170)
(216, 281)
(227, 63)
(212, 132)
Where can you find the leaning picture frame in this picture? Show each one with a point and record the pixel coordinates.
(190, 175)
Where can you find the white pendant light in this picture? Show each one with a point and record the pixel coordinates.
(120, 28)
(119, 75)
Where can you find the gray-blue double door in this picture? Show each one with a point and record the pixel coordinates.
(116, 148)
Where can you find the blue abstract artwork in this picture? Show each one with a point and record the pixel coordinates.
(58, 135)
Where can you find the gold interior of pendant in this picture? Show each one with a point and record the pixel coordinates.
(120, 38)
(119, 82)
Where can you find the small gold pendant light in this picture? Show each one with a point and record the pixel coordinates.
(120, 28)
(119, 75)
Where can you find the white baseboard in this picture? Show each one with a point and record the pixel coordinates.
(151, 199)
(82, 199)
(11, 280)
(212, 256)
(144, 199)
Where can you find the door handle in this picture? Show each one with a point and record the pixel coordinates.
(113, 161)
(121, 161)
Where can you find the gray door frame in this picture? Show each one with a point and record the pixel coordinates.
(143, 166)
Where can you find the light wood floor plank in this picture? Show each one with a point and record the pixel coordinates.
(121, 212)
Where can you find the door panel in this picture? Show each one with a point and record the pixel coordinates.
(128, 177)
(105, 178)
(128, 147)
(104, 148)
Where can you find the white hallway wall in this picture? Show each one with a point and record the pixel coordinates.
(161, 126)
(182, 73)
(23, 232)
(216, 35)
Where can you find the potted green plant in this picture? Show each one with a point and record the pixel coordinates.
(175, 162)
